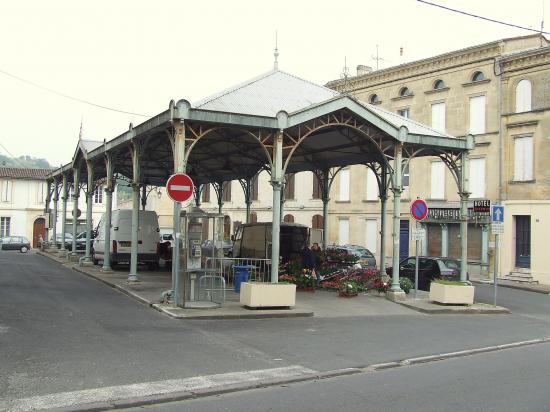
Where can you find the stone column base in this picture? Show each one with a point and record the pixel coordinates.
(74, 257)
(395, 295)
(63, 254)
(85, 263)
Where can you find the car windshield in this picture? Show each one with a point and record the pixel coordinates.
(363, 252)
(451, 263)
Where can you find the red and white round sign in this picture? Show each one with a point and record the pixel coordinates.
(179, 187)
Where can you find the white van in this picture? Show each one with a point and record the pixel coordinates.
(121, 238)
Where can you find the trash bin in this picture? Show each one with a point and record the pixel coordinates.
(241, 275)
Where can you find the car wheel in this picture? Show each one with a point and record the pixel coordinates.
(24, 249)
(94, 260)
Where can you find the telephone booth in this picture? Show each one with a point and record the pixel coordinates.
(201, 287)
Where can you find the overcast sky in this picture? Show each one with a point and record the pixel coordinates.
(136, 56)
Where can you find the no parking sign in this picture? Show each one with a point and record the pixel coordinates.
(419, 210)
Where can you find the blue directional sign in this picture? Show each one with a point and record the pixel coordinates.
(497, 214)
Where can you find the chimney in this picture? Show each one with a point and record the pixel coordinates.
(362, 69)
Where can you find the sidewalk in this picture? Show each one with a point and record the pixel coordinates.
(326, 304)
(529, 287)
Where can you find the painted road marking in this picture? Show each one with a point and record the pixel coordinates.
(180, 187)
(116, 393)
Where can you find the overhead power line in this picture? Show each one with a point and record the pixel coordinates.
(12, 156)
(71, 97)
(482, 18)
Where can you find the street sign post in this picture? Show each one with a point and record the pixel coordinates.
(419, 211)
(497, 228)
(179, 187)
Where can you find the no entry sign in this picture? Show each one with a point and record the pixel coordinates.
(419, 209)
(179, 187)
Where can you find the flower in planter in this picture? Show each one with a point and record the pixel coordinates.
(348, 288)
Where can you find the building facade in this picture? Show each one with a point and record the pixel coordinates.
(23, 192)
(498, 92)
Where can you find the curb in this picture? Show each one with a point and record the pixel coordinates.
(518, 287)
(232, 388)
(448, 311)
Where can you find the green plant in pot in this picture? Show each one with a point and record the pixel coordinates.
(348, 288)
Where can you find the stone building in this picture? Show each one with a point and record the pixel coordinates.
(500, 93)
(22, 195)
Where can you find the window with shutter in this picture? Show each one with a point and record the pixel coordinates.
(254, 188)
(477, 178)
(438, 117)
(371, 226)
(372, 185)
(226, 192)
(344, 185)
(343, 231)
(523, 96)
(206, 193)
(316, 187)
(477, 115)
(437, 180)
(7, 187)
(523, 158)
(289, 187)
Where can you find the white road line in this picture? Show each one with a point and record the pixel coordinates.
(115, 393)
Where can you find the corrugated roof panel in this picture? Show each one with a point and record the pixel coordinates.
(398, 121)
(267, 94)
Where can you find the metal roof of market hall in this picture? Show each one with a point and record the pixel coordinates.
(276, 90)
(242, 121)
(267, 94)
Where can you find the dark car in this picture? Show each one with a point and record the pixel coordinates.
(20, 243)
(81, 240)
(68, 240)
(429, 268)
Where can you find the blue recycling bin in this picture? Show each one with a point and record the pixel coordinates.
(241, 275)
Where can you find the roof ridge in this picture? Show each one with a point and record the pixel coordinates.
(234, 88)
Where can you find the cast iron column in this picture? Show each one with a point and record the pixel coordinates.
(63, 251)
(87, 261)
(76, 195)
(109, 188)
(55, 200)
(326, 199)
(179, 167)
(277, 183)
(136, 172)
(464, 195)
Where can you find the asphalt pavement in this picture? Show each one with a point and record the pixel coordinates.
(509, 380)
(61, 332)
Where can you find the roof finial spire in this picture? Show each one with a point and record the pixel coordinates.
(81, 129)
(276, 54)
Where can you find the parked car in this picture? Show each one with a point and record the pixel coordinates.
(20, 243)
(81, 240)
(68, 240)
(225, 245)
(429, 268)
(366, 258)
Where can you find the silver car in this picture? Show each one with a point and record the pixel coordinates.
(366, 258)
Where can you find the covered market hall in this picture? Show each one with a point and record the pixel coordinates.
(275, 122)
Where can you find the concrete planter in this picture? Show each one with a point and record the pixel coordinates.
(263, 295)
(452, 294)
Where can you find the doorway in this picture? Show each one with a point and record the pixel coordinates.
(39, 229)
(523, 241)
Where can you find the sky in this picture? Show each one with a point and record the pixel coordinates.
(135, 56)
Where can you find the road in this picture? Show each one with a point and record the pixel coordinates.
(61, 331)
(509, 380)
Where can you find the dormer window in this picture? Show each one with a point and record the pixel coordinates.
(477, 77)
(404, 92)
(374, 99)
(439, 84)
